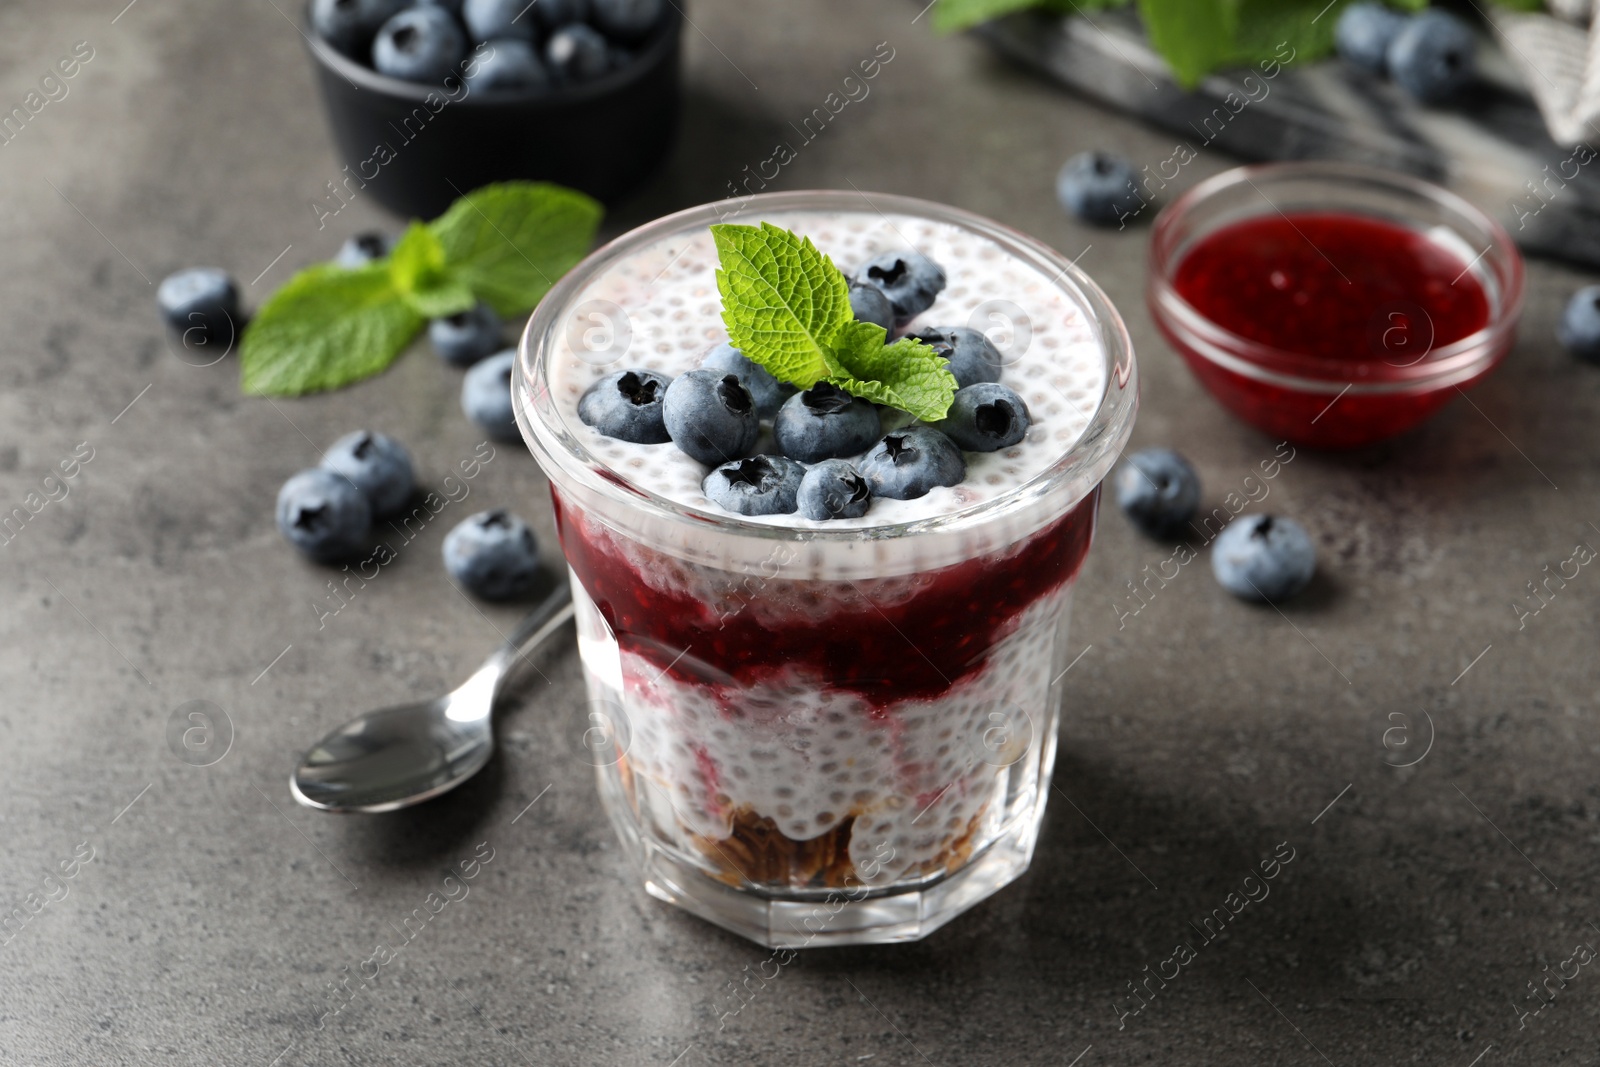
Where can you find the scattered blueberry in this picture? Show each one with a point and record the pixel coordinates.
(486, 396)
(490, 19)
(376, 464)
(492, 555)
(1434, 56)
(1364, 32)
(202, 305)
(1098, 187)
(420, 44)
(869, 304)
(761, 485)
(364, 248)
(824, 422)
(349, 25)
(910, 280)
(986, 417)
(1263, 558)
(1158, 490)
(768, 393)
(323, 514)
(909, 463)
(511, 64)
(1579, 329)
(973, 358)
(711, 416)
(627, 405)
(626, 20)
(577, 53)
(467, 336)
(553, 14)
(833, 489)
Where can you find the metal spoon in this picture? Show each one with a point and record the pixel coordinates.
(395, 757)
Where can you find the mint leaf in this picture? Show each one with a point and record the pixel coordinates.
(327, 327)
(908, 374)
(510, 242)
(418, 268)
(782, 300)
(960, 14)
(1193, 36)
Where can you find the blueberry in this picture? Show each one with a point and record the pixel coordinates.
(1263, 558)
(511, 65)
(1159, 491)
(467, 336)
(420, 44)
(1364, 32)
(349, 25)
(626, 20)
(376, 464)
(323, 515)
(1098, 187)
(972, 357)
(1579, 329)
(627, 405)
(492, 555)
(364, 248)
(486, 396)
(909, 463)
(761, 485)
(986, 417)
(490, 19)
(833, 489)
(1433, 57)
(768, 393)
(711, 416)
(869, 304)
(554, 14)
(202, 305)
(910, 280)
(824, 422)
(577, 53)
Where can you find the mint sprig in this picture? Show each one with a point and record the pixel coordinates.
(330, 326)
(787, 307)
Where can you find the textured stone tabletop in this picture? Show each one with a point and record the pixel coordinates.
(208, 917)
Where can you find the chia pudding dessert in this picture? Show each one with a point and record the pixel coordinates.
(824, 470)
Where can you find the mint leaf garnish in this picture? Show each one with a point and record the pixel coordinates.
(327, 327)
(510, 242)
(787, 307)
(960, 14)
(422, 277)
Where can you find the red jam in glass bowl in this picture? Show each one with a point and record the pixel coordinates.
(1332, 305)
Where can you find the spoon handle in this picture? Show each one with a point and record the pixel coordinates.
(539, 624)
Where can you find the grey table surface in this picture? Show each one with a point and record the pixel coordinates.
(1198, 735)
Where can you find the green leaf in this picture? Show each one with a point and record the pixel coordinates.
(951, 15)
(420, 274)
(782, 300)
(1193, 36)
(909, 374)
(1514, 5)
(327, 327)
(510, 242)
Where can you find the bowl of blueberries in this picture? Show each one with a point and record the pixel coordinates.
(430, 98)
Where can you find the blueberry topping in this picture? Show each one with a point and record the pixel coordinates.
(833, 489)
(973, 358)
(553, 14)
(420, 44)
(824, 422)
(486, 396)
(467, 336)
(761, 485)
(201, 304)
(492, 555)
(323, 515)
(627, 405)
(1433, 57)
(768, 393)
(364, 248)
(626, 20)
(1364, 32)
(577, 53)
(1099, 188)
(1159, 491)
(1262, 557)
(986, 417)
(711, 416)
(1579, 329)
(499, 19)
(910, 280)
(869, 304)
(511, 65)
(909, 463)
(376, 464)
(348, 25)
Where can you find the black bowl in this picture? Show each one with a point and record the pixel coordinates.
(416, 147)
